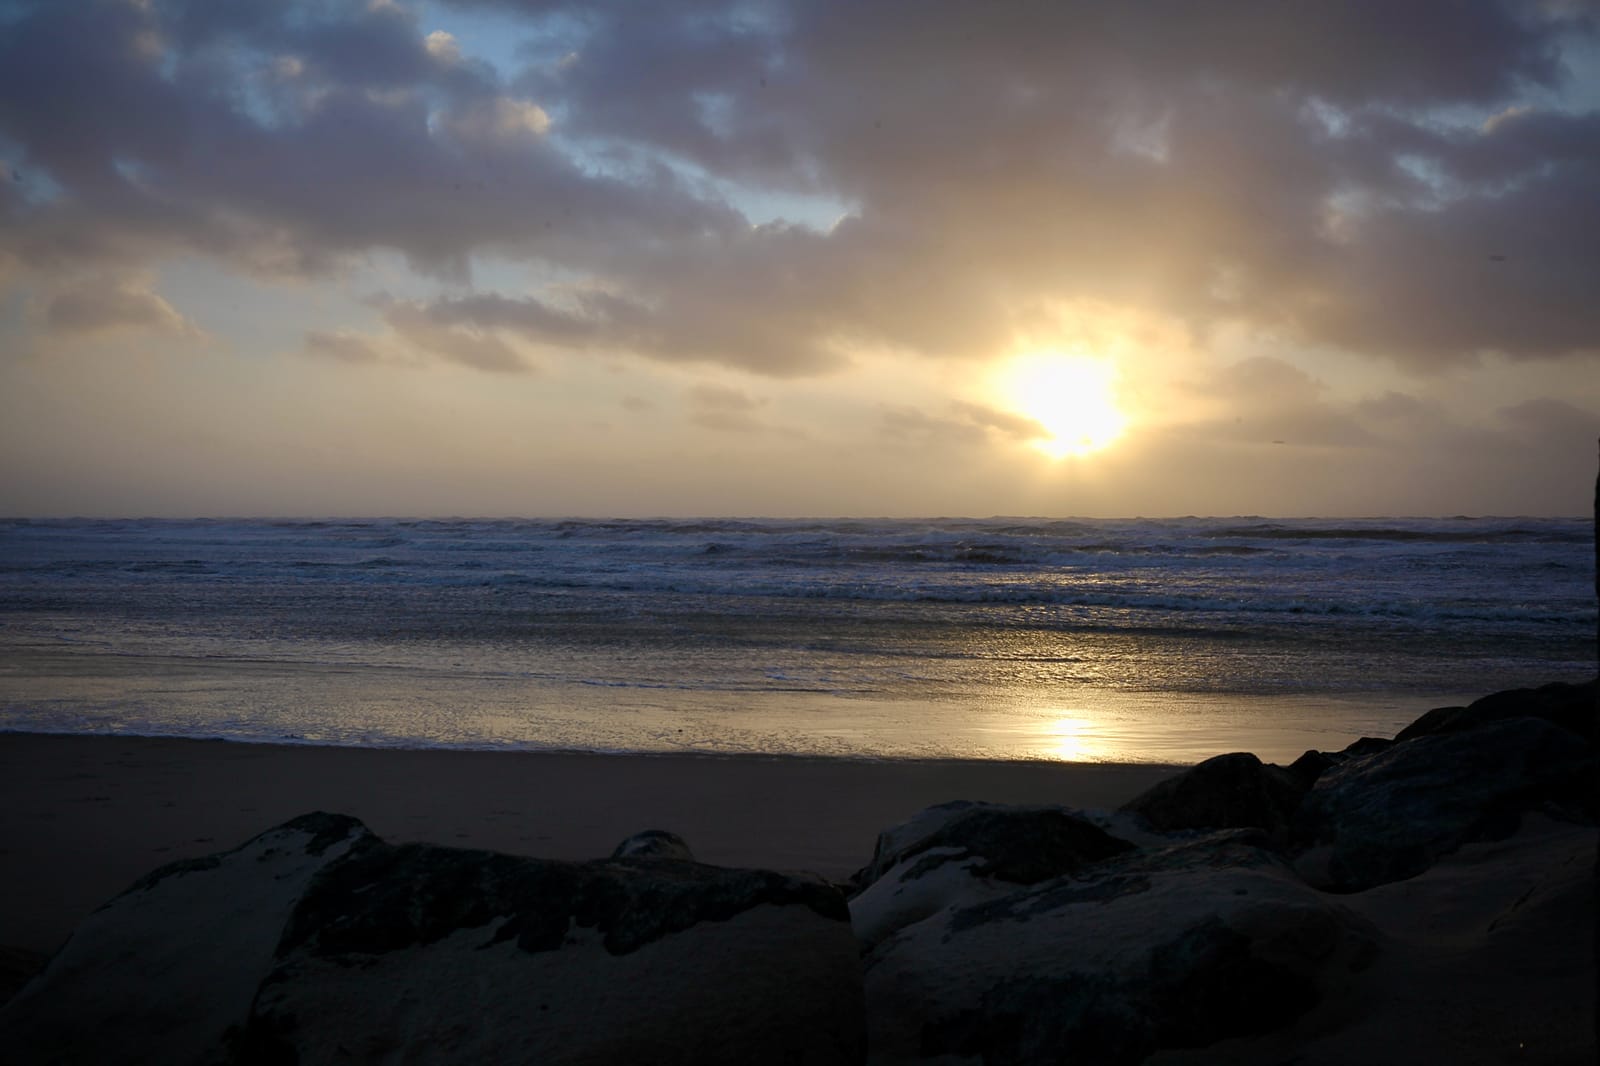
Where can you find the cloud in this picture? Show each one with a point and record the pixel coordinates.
(343, 346)
(722, 398)
(1301, 171)
(373, 143)
(458, 342)
(1010, 425)
(911, 424)
(105, 303)
(498, 121)
(968, 425)
(1554, 423)
(727, 410)
(728, 422)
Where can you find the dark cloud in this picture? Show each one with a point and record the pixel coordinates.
(1392, 179)
(317, 137)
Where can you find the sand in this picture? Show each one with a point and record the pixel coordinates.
(82, 817)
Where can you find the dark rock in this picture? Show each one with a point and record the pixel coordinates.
(18, 966)
(1365, 746)
(1389, 815)
(1020, 845)
(1312, 765)
(1164, 948)
(391, 898)
(162, 972)
(298, 947)
(1568, 706)
(1228, 791)
(963, 852)
(654, 844)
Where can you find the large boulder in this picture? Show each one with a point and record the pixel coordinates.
(1570, 706)
(1389, 815)
(1235, 791)
(960, 853)
(1169, 947)
(318, 942)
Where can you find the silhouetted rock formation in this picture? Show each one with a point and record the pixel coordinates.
(1569, 706)
(1390, 815)
(1154, 948)
(959, 853)
(318, 942)
(654, 844)
(1236, 791)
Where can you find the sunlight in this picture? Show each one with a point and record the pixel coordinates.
(1073, 739)
(1071, 396)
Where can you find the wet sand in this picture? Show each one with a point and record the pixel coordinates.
(82, 817)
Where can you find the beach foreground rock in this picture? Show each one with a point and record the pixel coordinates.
(1181, 946)
(1390, 815)
(319, 942)
(1234, 791)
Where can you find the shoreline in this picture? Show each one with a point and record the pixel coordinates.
(360, 705)
(867, 758)
(83, 816)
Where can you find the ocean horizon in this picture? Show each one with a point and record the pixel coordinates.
(1128, 640)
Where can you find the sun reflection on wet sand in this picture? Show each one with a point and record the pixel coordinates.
(1074, 739)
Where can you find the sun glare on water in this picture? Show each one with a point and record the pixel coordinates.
(1072, 397)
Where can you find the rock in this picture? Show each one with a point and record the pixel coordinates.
(1016, 844)
(1364, 746)
(167, 971)
(963, 852)
(18, 966)
(1387, 816)
(654, 844)
(365, 950)
(1312, 765)
(1172, 947)
(1569, 706)
(1226, 792)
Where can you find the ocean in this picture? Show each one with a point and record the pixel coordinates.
(1087, 640)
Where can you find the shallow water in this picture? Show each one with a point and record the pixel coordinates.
(1088, 640)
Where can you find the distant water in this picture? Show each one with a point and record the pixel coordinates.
(1149, 640)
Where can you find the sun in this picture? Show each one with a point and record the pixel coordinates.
(1072, 397)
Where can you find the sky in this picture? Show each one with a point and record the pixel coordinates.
(517, 257)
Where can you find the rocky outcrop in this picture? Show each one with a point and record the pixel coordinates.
(654, 844)
(1389, 815)
(1113, 952)
(318, 942)
(17, 967)
(959, 853)
(1572, 707)
(1156, 948)
(172, 965)
(1236, 791)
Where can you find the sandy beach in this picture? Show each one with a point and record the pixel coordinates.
(81, 817)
